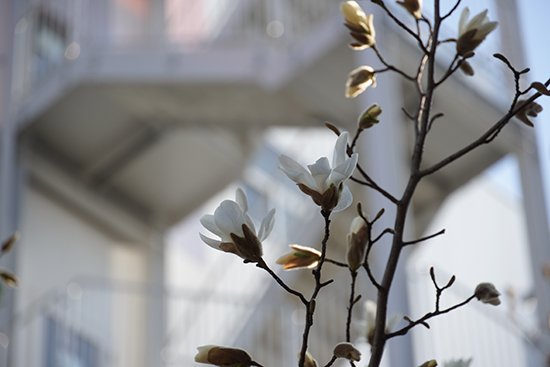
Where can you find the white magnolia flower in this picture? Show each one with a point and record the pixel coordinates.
(236, 230)
(458, 363)
(325, 184)
(472, 32)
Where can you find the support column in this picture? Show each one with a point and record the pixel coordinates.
(8, 177)
(536, 216)
(156, 305)
(383, 152)
(531, 170)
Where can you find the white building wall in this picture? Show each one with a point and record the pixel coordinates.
(62, 258)
(485, 241)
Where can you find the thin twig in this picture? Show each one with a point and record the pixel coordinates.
(352, 302)
(310, 305)
(263, 265)
(450, 12)
(401, 24)
(389, 66)
(331, 362)
(404, 330)
(337, 263)
(422, 239)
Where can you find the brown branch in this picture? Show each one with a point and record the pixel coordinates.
(401, 24)
(352, 301)
(486, 138)
(263, 265)
(423, 116)
(389, 66)
(310, 305)
(450, 12)
(427, 316)
(422, 239)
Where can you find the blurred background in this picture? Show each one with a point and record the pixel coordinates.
(124, 121)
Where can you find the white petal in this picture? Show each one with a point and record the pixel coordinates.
(340, 149)
(295, 171)
(249, 222)
(462, 22)
(320, 171)
(485, 29)
(229, 218)
(267, 225)
(345, 200)
(240, 198)
(343, 171)
(477, 21)
(215, 244)
(370, 308)
(209, 223)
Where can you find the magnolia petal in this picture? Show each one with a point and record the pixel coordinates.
(229, 217)
(240, 198)
(215, 244)
(320, 167)
(267, 225)
(295, 171)
(463, 19)
(343, 171)
(248, 221)
(320, 172)
(340, 148)
(345, 200)
(477, 20)
(209, 223)
(485, 29)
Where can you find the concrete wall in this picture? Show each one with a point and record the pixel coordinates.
(66, 268)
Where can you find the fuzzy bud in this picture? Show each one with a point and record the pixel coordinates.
(359, 80)
(369, 117)
(357, 243)
(347, 351)
(221, 356)
(487, 293)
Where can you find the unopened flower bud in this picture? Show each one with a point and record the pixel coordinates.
(369, 117)
(359, 80)
(467, 68)
(531, 110)
(357, 243)
(361, 26)
(310, 361)
(301, 257)
(430, 363)
(347, 351)
(221, 356)
(487, 293)
(413, 6)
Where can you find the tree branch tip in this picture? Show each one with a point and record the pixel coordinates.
(332, 128)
